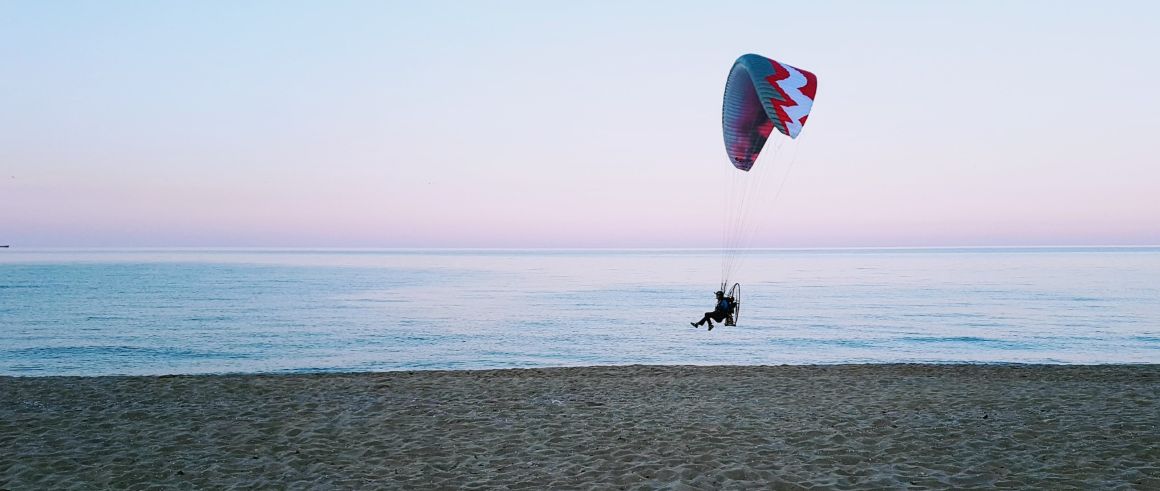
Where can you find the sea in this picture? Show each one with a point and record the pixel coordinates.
(196, 311)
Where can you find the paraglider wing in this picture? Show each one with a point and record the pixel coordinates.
(760, 95)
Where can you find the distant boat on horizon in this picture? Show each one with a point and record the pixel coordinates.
(3, 247)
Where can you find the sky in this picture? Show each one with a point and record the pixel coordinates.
(572, 124)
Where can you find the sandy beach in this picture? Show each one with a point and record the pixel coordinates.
(635, 427)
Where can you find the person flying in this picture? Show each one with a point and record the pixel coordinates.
(721, 311)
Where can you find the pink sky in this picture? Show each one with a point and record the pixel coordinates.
(596, 125)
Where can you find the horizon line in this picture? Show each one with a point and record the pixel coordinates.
(689, 249)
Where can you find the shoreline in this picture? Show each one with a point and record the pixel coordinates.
(340, 372)
(920, 426)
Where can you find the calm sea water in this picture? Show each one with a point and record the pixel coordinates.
(209, 311)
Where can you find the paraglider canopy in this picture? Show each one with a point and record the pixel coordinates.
(760, 95)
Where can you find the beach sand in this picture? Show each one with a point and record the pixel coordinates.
(635, 427)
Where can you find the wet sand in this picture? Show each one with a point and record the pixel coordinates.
(636, 427)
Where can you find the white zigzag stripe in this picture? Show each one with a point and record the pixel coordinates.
(802, 103)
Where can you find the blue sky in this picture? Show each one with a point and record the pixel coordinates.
(594, 124)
